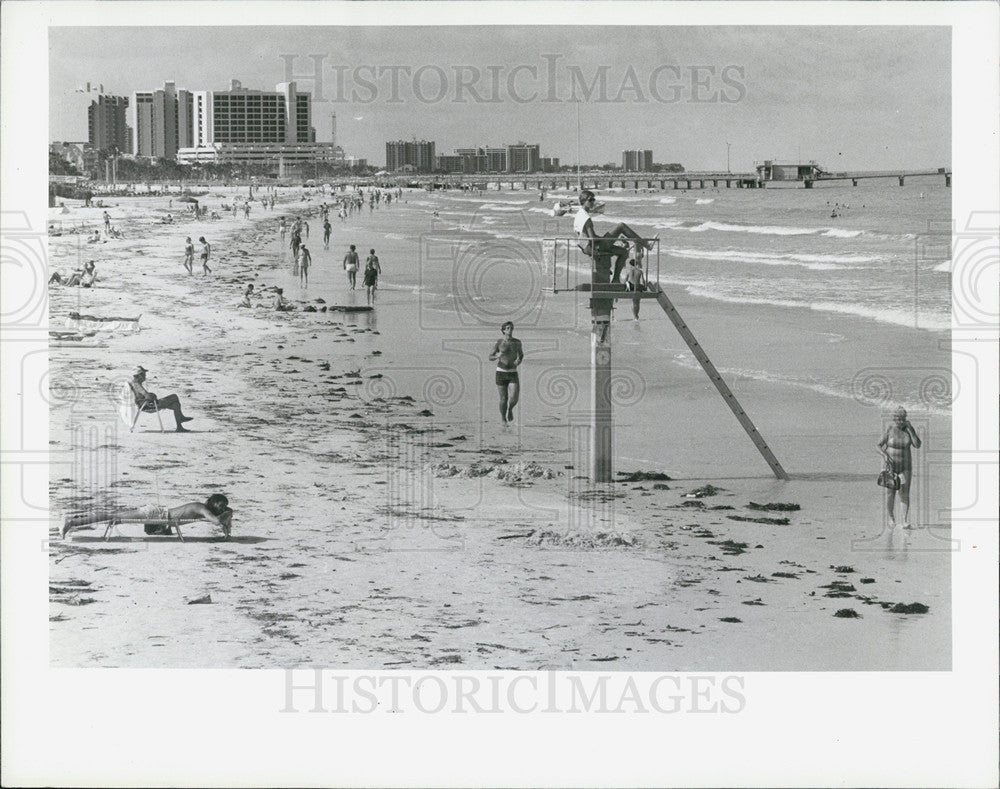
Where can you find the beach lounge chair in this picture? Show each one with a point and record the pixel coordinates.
(130, 411)
(146, 522)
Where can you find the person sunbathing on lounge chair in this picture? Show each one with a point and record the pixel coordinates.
(157, 519)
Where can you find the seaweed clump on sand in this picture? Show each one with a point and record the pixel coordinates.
(847, 613)
(838, 589)
(771, 521)
(909, 608)
(703, 492)
(643, 476)
(773, 507)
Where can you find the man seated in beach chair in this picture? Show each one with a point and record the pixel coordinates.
(156, 519)
(147, 401)
(604, 249)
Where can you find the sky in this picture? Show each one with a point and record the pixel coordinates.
(849, 98)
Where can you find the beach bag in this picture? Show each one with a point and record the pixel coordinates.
(888, 478)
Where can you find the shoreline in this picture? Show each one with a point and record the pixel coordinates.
(369, 531)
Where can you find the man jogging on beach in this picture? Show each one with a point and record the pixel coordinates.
(351, 266)
(508, 355)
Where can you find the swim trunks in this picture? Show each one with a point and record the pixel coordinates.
(154, 512)
(505, 377)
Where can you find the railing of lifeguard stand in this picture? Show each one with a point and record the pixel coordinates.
(567, 249)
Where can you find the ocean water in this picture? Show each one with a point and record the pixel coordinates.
(885, 256)
(859, 303)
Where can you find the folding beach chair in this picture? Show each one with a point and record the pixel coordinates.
(129, 410)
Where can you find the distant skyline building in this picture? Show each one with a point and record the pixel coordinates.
(106, 124)
(637, 161)
(416, 155)
(523, 157)
(484, 159)
(517, 158)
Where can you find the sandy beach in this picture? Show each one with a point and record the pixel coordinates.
(384, 518)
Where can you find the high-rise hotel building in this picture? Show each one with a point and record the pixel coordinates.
(237, 125)
(106, 124)
(162, 121)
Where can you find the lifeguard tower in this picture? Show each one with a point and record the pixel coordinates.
(570, 264)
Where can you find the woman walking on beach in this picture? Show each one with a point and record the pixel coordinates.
(305, 260)
(189, 255)
(372, 271)
(281, 230)
(895, 447)
(206, 250)
(327, 228)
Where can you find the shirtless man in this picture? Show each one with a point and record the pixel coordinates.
(634, 282)
(157, 519)
(351, 266)
(604, 248)
(206, 250)
(508, 355)
(148, 401)
(895, 447)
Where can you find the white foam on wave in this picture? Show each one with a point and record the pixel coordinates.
(835, 232)
(502, 207)
(686, 360)
(668, 200)
(812, 262)
(895, 317)
(704, 200)
(769, 230)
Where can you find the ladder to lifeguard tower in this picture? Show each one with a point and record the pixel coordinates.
(603, 295)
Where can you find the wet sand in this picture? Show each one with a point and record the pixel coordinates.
(402, 527)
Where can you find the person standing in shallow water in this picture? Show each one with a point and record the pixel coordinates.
(895, 447)
(372, 271)
(508, 354)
